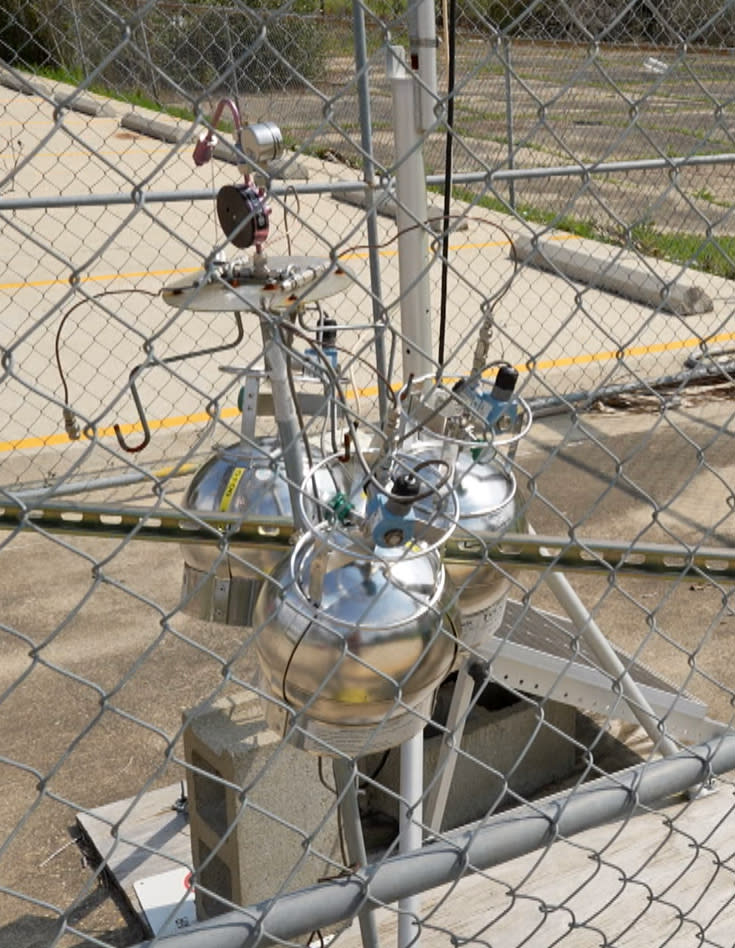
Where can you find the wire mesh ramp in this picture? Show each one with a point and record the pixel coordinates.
(534, 655)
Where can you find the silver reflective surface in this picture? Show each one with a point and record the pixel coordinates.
(380, 641)
(248, 480)
(488, 507)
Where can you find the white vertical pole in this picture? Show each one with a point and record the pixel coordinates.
(410, 836)
(412, 114)
(411, 218)
(422, 50)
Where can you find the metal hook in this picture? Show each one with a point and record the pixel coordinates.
(204, 148)
(134, 448)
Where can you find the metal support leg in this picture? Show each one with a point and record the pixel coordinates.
(289, 430)
(344, 776)
(609, 661)
(436, 801)
(410, 831)
(605, 654)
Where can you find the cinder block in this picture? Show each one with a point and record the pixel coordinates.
(261, 801)
(508, 744)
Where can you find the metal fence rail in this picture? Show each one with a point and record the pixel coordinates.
(383, 318)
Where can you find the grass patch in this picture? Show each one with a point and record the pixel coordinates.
(716, 256)
(708, 254)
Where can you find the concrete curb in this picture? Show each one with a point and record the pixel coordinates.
(169, 130)
(609, 268)
(182, 133)
(85, 103)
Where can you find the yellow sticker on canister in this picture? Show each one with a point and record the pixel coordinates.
(234, 480)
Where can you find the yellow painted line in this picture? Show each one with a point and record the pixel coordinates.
(358, 255)
(99, 278)
(370, 392)
(178, 421)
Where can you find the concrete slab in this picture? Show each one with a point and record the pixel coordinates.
(655, 864)
(140, 838)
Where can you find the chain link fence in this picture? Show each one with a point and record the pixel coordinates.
(366, 547)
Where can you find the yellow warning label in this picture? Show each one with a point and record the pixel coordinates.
(234, 480)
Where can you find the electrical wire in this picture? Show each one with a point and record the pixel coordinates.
(340, 830)
(67, 314)
(310, 334)
(342, 399)
(447, 178)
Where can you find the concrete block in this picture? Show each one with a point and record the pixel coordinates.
(264, 799)
(386, 205)
(507, 744)
(608, 268)
(183, 133)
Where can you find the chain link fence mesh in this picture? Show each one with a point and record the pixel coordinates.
(177, 765)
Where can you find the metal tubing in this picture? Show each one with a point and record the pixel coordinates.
(410, 836)
(32, 494)
(164, 197)
(371, 222)
(497, 840)
(583, 171)
(411, 218)
(344, 776)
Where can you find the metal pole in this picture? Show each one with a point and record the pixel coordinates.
(140, 196)
(410, 836)
(284, 412)
(509, 122)
(422, 49)
(497, 840)
(344, 776)
(605, 654)
(368, 165)
(411, 218)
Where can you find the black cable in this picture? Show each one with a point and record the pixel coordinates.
(340, 831)
(447, 177)
(287, 669)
